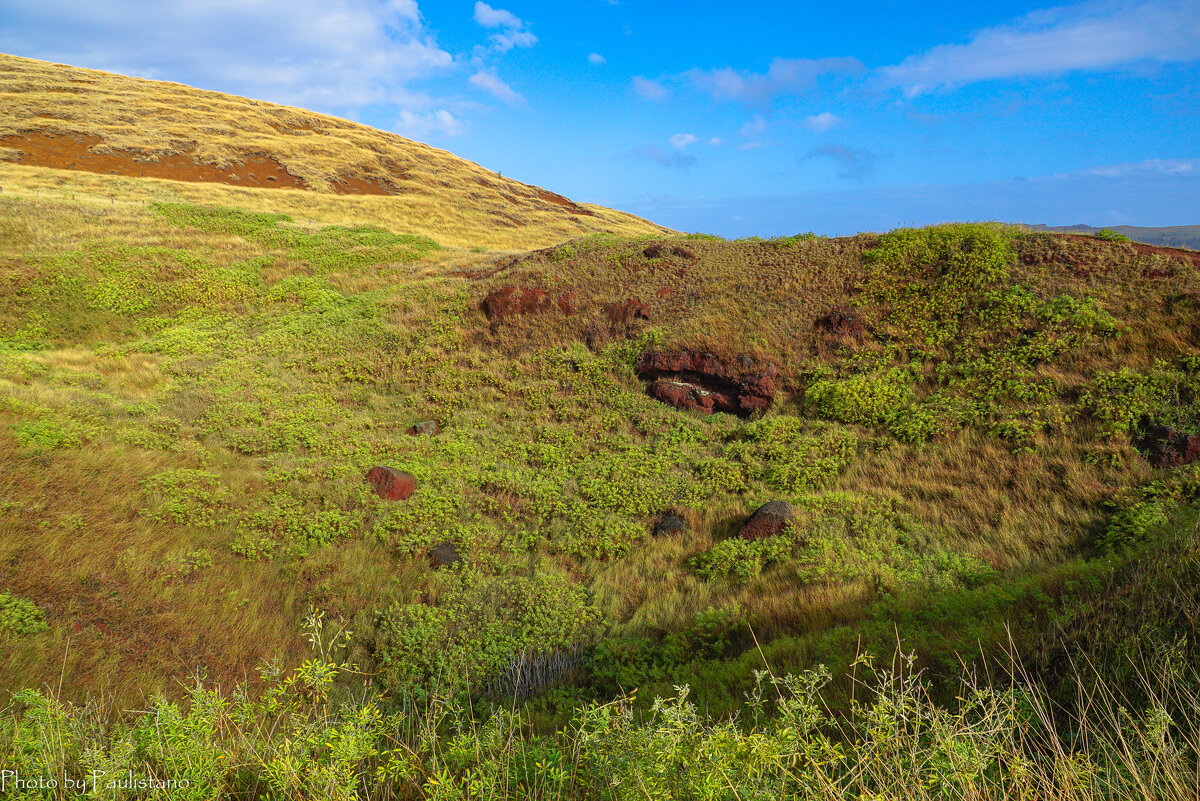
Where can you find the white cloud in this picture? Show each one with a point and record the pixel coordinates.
(491, 82)
(596, 59)
(681, 140)
(1160, 166)
(420, 124)
(822, 122)
(648, 89)
(511, 30)
(1091, 36)
(785, 76)
(754, 127)
(328, 55)
(716, 141)
(490, 17)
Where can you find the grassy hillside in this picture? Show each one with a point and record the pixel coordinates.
(93, 132)
(984, 438)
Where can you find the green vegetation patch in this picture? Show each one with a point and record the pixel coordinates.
(20, 616)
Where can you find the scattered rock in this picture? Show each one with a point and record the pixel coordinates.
(655, 251)
(391, 484)
(671, 523)
(683, 253)
(444, 554)
(510, 301)
(429, 428)
(626, 311)
(1165, 446)
(701, 380)
(768, 520)
(841, 320)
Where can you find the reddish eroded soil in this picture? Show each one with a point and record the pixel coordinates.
(75, 152)
(511, 301)
(559, 200)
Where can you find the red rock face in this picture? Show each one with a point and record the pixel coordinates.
(626, 311)
(391, 484)
(700, 380)
(510, 301)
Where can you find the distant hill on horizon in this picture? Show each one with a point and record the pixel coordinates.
(1171, 236)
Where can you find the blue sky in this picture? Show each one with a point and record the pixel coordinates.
(736, 119)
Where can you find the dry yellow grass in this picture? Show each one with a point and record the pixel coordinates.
(52, 116)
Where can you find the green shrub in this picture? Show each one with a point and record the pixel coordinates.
(866, 398)
(741, 560)
(20, 615)
(1109, 235)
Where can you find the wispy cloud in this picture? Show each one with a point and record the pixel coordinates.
(1182, 167)
(676, 160)
(854, 162)
(785, 76)
(511, 30)
(596, 59)
(822, 122)
(682, 140)
(648, 89)
(420, 124)
(489, 81)
(1091, 36)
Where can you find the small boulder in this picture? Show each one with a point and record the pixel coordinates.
(654, 251)
(626, 311)
(669, 524)
(429, 428)
(444, 554)
(391, 484)
(768, 520)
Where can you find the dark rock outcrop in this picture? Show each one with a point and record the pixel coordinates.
(429, 428)
(391, 484)
(1165, 446)
(444, 554)
(703, 381)
(768, 520)
(841, 320)
(669, 524)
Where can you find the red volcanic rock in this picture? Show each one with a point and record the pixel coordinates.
(665, 292)
(705, 364)
(1166, 446)
(684, 395)
(566, 303)
(701, 380)
(391, 484)
(768, 520)
(626, 311)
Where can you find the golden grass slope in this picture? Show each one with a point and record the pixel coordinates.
(118, 138)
